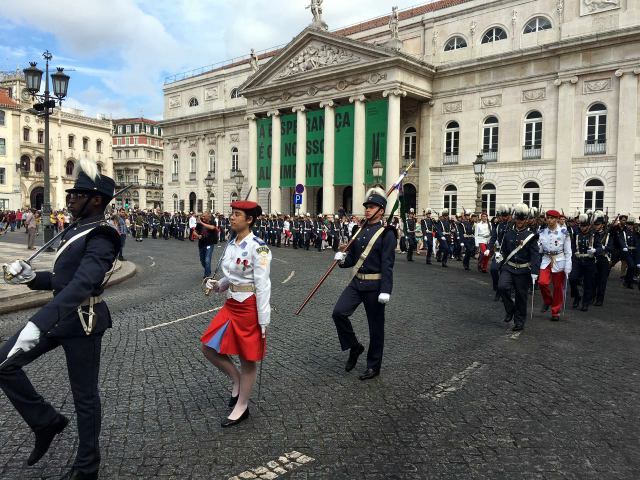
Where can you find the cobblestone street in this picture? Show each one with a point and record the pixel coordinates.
(459, 397)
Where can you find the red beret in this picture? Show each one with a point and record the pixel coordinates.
(244, 205)
(553, 213)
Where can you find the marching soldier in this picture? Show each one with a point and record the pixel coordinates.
(372, 256)
(555, 245)
(443, 232)
(410, 233)
(603, 265)
(308, 230)
(519, 268)
(466, 237)
(585, 245)
(426, 224)
(75, 319)
(334, 233)
(628, 239)
(279, 229)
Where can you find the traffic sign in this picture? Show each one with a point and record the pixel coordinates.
(300, 188)
(297, 199)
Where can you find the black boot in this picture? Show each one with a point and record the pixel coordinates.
(44, 438)
(508, 317)
(576, 301)
(545, 308)
(517, 328)
(354, 353)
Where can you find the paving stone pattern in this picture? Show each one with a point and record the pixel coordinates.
(560, 401)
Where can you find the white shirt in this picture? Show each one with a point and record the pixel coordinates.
(246, 263)
(557, 240)
(482, 233)
(192, 221)
(287, 225)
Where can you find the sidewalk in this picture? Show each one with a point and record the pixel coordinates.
(19, 297)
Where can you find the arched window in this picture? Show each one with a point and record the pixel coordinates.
(235, 93)
(451, 143)
(193, 102)
(234, 159)
(25, 163)
(175, 168)
(39, 165)
(493, 35)
(26, 134)
(490, 139)
(489, 199)
(71, 141)
(410, 142)
(455, 43)
(193, 161)
(212, 162)
(1, 117)
(594, 195)
(450, 199)
(99, 168)
(531, 195)
(68, 169)
(175, 202)
(596, 138)
(532, 135)
(536, 24)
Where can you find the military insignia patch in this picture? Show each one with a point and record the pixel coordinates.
(263, 250)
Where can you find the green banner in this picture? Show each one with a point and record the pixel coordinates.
(315, 148)
(343, 152)
(288, 130)
(264, 152)
(376, 137)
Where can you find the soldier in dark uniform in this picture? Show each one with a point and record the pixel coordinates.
(308, 231)
(443, 232)
(585, 246)
(75, 319)
(334, 233)
(410, 234)
(279, 229)
(603, 260)
(318, 228)
(520, 267)
(466, 238)
(628, 238)
(371, 285)
(165, 225)
(426, 224)
(495, 243)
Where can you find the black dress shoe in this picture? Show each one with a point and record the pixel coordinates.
(354, 353)
(233, 400)
(369, 373)
(230, 423)
(508, 317)
(78, 475)
(44, 438)
(585, 308)
(555, 318)
(576, 302)
(545, 308)
(517, 328)
(598, 303)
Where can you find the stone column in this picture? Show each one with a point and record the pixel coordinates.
(328, 190)
(252, 174)
(276, 194)
(221, 203)
(627, 139)
(359, 142)
(424, 149)
(393, 134)
(301, 151)
(564, 142)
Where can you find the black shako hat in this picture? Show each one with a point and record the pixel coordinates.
(88, 180)
(376, 196)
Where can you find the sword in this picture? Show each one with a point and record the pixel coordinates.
(564, 301)
(9, 360)
(533, 294)
(264, 340)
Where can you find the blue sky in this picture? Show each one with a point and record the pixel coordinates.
(121, 50)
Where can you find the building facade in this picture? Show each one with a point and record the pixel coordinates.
(72, 136)
(546, 90)
(10, 198)
(138, 161)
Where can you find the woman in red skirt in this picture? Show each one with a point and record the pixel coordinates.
(240, 326)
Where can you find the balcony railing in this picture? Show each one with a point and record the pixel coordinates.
(531, 152)
(450, 159)
(174, 177)
(592, 147)
(192, 176)
(490, 155)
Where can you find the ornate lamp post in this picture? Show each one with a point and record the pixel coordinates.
(238, 178)
(208, 183)
(479, 167)
(378, 171)
(60, 80)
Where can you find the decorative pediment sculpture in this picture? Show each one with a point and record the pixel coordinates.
(316, 56)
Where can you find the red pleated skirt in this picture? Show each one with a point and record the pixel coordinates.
(235, 330)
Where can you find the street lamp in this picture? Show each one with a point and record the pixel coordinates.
(238, 178)
(208, 183)
(60, 80)
(479, 167)
(378, 170)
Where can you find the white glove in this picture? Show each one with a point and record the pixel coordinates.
(443, 239)
(264, 330)
(340, 257)
(18, 272)
(462, 244)
(534, 277)
(625, 249)
(498, 257)
(487, 253)
(28, 338)
(384, 298)
(591, 251)
(213, 285)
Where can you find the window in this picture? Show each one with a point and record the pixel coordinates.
(532, 135)
(410, 139)
(99, 146)
(99, 168)
(594, 195)
(235, 93)
(26, 133)
(454, 43)
(71, 141)
(2, 117)
(136, 128)
(234, 159)
(119, 154)
(531, 195)
(451, 198)
(212, 162)
(193, 160)
(85, 144)
(3, 146)
(493, 35)
(175, 168)
(39, 165)
(147, 128)
(128, 128)
(120, 129)
(127, 141)
(126, 154)
(25, 163)
(193, 102)
(40, 136)
(3, 177)
(135, 177)
(451, 143)
(135, 153)
(489, 199)
(596, 140)
(490, 139)
(69, 168)
(536, 24)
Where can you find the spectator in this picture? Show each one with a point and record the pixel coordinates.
(31, 226)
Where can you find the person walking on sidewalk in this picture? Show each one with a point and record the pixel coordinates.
(32, 228)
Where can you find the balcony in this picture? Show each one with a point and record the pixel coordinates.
(174, 177)
(594, 147)
(531, 152)
(450, 159)
(490, 155)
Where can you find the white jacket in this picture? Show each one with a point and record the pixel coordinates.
(482, 233)
(551, 241)
(246, 263)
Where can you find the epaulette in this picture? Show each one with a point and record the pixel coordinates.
(259, 240)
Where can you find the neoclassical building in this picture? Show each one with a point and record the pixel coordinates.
(546, 90)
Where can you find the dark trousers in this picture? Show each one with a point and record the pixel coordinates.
(83, 366)
(602, 276)
(428, 245)
(519, 282)
(350, 299)
(205, 259)
(123, 239)
(444, 251)
(335, 242)
(411, 247)
(629, 257)
(469, 250)
(495, 273)
(584, 270)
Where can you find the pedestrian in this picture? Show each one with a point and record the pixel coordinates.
(75, 319)
(31, 225)
(193, 223)
(122, 230)
(426, 226)
(482, 236)
(443, 232)
(240, 326)
(410, 234)
(585, 246)
(372, 256)
(206, 233)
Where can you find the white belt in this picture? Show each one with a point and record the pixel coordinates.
(248, 288)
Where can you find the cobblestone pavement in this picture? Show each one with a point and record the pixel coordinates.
(459, 396)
